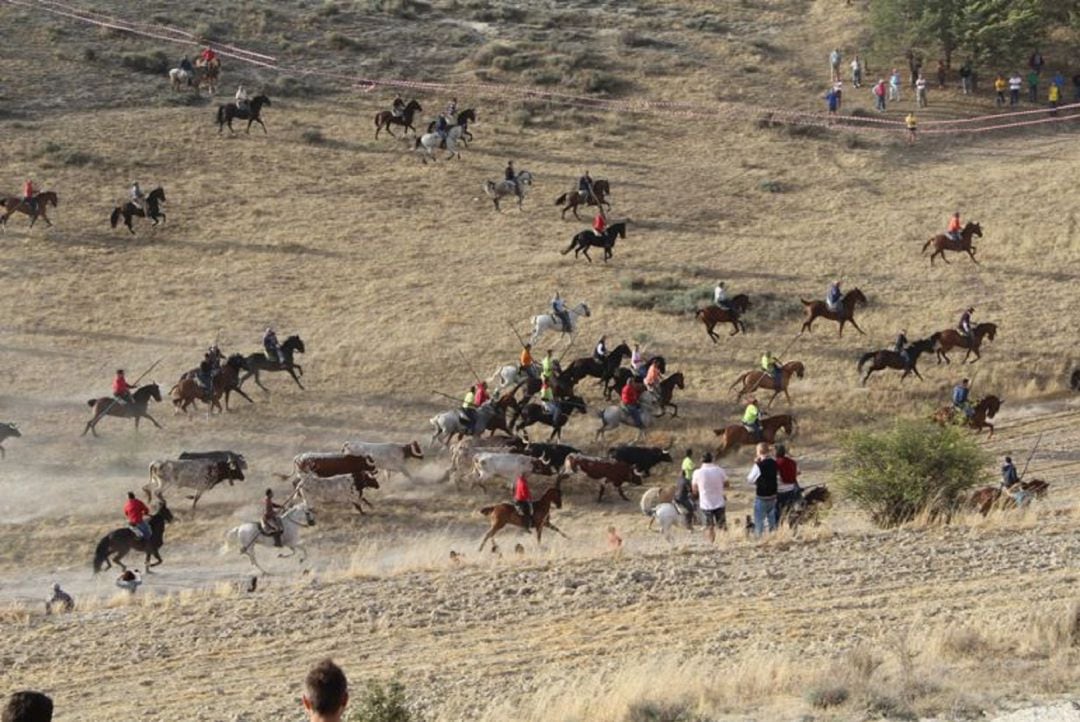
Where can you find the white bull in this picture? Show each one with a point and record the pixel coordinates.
(388, 457)
(492, 464)
(334, 489)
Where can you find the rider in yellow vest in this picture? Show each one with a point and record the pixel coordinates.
(468, 408)
(547, 398)
(547, 368)
(750, 419)
(771, 365)
(688, 464)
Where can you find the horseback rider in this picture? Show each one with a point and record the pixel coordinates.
(833, 297)
(547, 367)
(28, 196)
(629, 398)
(599, 223)
(208, 56)
(751, 419)
(121, 389)
(683, 498)
(442, 127)
(720, 296)
(451, 111)
(525, 362)
(136, 513)
(636, 361)
(138, 198)
(652, 377)
(547, 398)
(558, 305)
(955, 227)
(585, 187)
(480, 397)
(600, 353)
(243, 100)
(205, 376)
(468, 409)
(187, 67)
(1010, 482)
(964, 327)
(900, 347)
(771, 365)
(523, 500)
(398, 108)
(960, 395)
(511, 175)
(271, 521)
(213, 357)
(273, 349)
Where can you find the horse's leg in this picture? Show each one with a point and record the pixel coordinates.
(600, 494)
(237, 390)
(259, 121)
(971, 253)
(152, 420)
(552, 527)
(294, 376)
(734, 328)
(622, 494)
(867, 376)
(857, 327)
(496, 524)
(585, 251)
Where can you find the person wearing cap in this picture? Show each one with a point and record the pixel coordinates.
(964, 326)
(771, 365)
(834, 296)
(558, 305)
(709, 483)
(138, 199)
(960, 398)
(900, 347)
(1010, 482)
(720, 296)
(751, 419)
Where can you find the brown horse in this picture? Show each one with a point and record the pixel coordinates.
(712, 315)
(942, 243)
(890, 359)
(989, 497)
(666, 390)
(950, 338)
(188, 390)
(385, 118)
(600, 190)
(845, 314)
(987, 408)
(505, 513)
(110, 406)
(752, 380)
(41, 203)
(736, 435)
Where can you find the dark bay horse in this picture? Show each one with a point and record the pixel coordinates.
(385, 118)
(986, 408)
(666, 390)
(950, 338)
(110, 406)
(506, 513)
(226, 113)
(712, 315)
(601, 190)
(463, 119)
(890, 359)
(119, 542)
(188, 390)
(42, 201)
(129, 210)
(759, 379)
(942, 243)
(581, 242)
(844, 314)
(736, 435)
(533, 413)
(258, 361)
(990, 497)
(588, 366)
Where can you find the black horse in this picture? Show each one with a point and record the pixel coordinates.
(257, 362)
(603, 370)
(129, 210)
(530, 414)
(226, 113)
(614, 385)
(119, 542)
(890, 359)
(463, 119)
(582, 241)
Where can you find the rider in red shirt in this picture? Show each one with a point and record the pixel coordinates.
(28, 195)
(121, 388)
(599, 223)
(208, 55)
(629, 397)
(481, 395)
(136, 513)
(523, 499)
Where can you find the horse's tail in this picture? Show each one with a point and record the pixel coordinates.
(806, 303)
(486, 511)
(864, 358)
(115, 217)
(101, 553)
(232, 540)
(648, 501)
(927, 245)
(740, 380)
(573, 242)
(378, 116)
(221, 114)
(91, 403)
(561, 199)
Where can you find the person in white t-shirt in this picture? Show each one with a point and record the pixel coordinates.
(708, 483)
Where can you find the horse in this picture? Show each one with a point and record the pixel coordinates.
(622, 375)
(462, 121)
(119, 542)
(615, 415)
(588, 365)
(942, 243)
(736, 435)
(759, 379)
(600, 190)
(504, 188)
(40, 204)
(226, 113)
(989, 497)
(258, 361)
(385, 118)
(129, 210)
(428, 142)
(580, 243)
(656, 503)
(292, 519)
(950, 338)
(188, 390)
(712, 315)
(550, 322)
(805, 509)
(1074, 380)
(202, 75)
(665, 391)
(111, 406)
(490, 417)
(506, 513)
(845, 314)
(890, 359)
(530, 414)
(986, 408)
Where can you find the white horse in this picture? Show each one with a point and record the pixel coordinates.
(430, 141)
(550, 322)
(448, 424)
(495, 191)
(179, 78)
(292, 520)
(614, 416)
(666, 513)
(510, 375)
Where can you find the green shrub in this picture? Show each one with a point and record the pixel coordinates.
(827, 696)
(771, 186)
(155, 63)
(378, 703)
(914, 468)
(659, 712)
(669, 296)
(599, 82)
(337, 41)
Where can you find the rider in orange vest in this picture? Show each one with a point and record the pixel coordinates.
(953, 231)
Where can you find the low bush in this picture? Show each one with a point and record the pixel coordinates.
(669, 296)
(379, 703)
(155, 63)
(827, 696)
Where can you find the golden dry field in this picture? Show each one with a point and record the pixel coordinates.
(394, 272)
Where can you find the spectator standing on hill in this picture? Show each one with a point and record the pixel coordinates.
(941, 74)
(920, 91)
(709, 482)
(856, 72)
(879, 95)
(839, 88)
(1076, 88)
(834, 64)
(965, 77)
(1000, 86)
(916, 70)
(27, 706)
(763, 477)
(1054, 96)
(831, 101)
(1033, 86)
(326, 692)
(1059, 80)
(894, 86)
(912, 124)
(788, 491)
(1036, 61)
(1015, 83)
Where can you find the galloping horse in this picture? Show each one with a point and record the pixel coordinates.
(579, 368)
(129, 210)
(987, 408)
(530, 414)
(614, 416)
(384, 118)
(119, 542)
(889, 359)
(258, 361)
(600, 190)
(428, 142)
(950, 338)
(736, 435)
(762, 380)
(462, 121)
(581, 242)
(293, 519)
(942, 243)
(41, 203)
(504, 188)
(505, 513)
(205, 74)
(666, 390)
(845, 314)
(712, 315)
(188, 390)
(551, 322)
(110, 406)
(226, 113)
(989, 497)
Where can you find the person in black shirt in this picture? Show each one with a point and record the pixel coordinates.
(763, 476)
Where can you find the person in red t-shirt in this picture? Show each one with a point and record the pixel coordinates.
(480, 397)
(523, 500)
(788, 491)
(629, 396)
(121, 388)
(599, 223)
(28, 196)
(136, 513)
